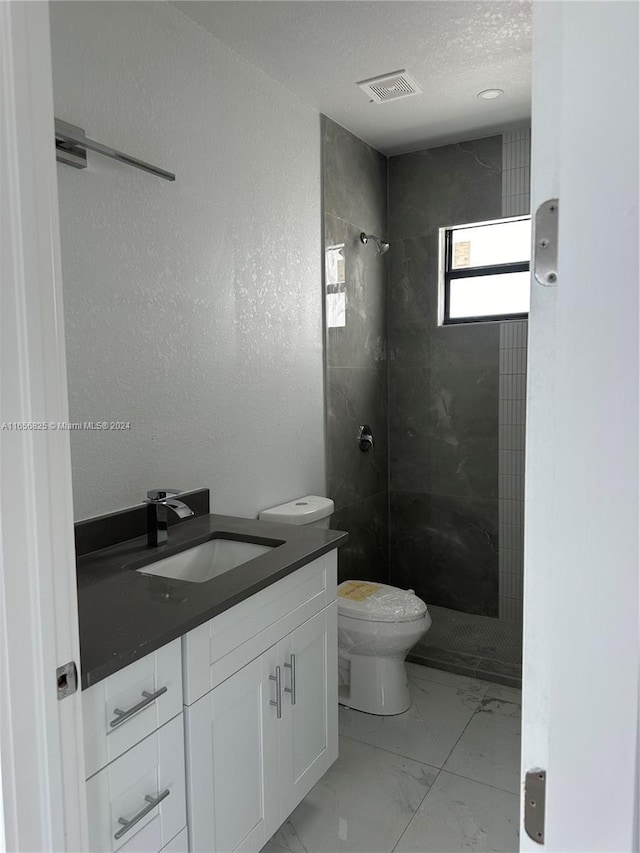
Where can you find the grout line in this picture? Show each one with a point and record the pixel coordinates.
(411, 819)
(461, 735)
(431, 787)
(477, 782)
(382, 748)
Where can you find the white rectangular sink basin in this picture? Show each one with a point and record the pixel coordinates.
(206, 561)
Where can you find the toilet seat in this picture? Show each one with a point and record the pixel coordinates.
(379, 602)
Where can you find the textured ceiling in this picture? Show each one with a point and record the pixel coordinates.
(319, 49)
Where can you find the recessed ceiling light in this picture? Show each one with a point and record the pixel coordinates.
(490, 94)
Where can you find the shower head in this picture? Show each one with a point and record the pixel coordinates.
(381, 245)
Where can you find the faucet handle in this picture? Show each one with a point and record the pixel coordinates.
(159, 495)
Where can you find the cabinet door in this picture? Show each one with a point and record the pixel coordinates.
(310, 695)
(232, 762)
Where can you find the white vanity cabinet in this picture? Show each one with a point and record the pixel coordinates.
(265, 729)
(258, 729)
(134, 757)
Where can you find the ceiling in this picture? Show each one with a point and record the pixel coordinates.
(320, 49)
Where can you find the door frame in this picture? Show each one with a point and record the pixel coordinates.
(41, 748)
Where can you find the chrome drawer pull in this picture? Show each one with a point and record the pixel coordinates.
(278, 700)
(153, 802)
(148, 699)
(292, 689)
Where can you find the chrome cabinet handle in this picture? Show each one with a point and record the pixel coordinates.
(278, 700)
(121, 716)
(292, 689)
(153, 802)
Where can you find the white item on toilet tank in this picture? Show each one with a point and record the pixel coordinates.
(311, 509)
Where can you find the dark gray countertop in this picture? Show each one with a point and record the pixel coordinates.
(125, 615)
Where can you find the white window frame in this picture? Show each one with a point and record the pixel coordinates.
(444, 274)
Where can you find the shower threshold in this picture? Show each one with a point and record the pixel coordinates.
(467, 644)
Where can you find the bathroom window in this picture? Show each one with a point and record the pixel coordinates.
(485, 271)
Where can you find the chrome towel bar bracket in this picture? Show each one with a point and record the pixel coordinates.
(72, 144)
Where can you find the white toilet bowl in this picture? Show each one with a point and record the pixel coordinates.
(377, 625)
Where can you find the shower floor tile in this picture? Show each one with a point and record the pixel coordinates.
(486, 648)
(383, 796)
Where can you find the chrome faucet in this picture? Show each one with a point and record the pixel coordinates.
(158, 502)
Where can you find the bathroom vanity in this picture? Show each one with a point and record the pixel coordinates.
(210, 708)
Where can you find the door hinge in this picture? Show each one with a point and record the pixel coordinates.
(67, 677)
(545, 249)
(535, 783)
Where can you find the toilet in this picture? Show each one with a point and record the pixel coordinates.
(377, 625)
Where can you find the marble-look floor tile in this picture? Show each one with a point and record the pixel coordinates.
(489, 749)
(505, 694)
(460, 815)
(363, 803)
(451, 679)
(426, 732)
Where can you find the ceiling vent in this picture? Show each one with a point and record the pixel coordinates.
(390, 87)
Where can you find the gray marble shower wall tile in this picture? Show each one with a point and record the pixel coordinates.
(354, 179)
(413, 300)
(366, 554)
(443, 432)
(446, 548)
(356, 396)
(449, 185)
(415, 338)
(362, 341)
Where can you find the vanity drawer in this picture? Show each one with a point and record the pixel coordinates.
(214, 651)
(146, 787)
(126, 707)
(149, 840)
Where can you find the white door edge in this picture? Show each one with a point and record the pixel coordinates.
(540, 461)
(580, 709)
(41, 751)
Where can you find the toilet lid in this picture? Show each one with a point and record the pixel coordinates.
(378, 602)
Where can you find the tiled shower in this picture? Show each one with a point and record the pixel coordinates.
(437, 507)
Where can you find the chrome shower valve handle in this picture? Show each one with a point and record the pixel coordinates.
(365, 438)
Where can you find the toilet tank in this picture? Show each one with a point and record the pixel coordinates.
(312, 510)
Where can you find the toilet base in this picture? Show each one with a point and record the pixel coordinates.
(377, 685)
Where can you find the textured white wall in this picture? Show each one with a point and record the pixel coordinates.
(193, 309)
